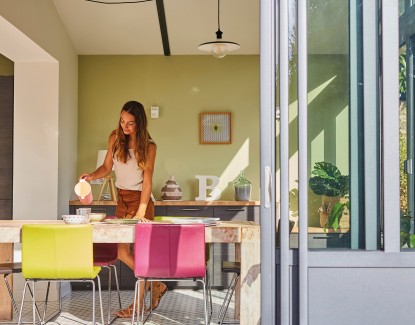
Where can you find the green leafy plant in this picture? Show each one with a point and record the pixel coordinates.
(405, 229)
(326, 179)
(402, 77)
(336, 214)
(407, 239)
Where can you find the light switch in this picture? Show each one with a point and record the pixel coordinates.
(154, 112)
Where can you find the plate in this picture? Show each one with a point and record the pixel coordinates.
(123, 221)
(207, 221)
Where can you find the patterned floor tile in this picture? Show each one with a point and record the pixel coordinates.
(177, 307)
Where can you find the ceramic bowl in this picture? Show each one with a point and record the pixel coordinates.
(97, 217)
(75, 219)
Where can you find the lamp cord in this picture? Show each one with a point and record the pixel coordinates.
(218, 16)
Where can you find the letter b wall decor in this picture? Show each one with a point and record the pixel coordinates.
(215, 192)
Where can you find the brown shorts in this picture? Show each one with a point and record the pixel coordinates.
(128, 202)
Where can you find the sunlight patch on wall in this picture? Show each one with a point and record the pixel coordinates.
(238, 163)
(317, 149)
(342, 133)
(312, 94)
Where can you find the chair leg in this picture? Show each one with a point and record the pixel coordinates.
(100, 299)
(36, 308)
(10, 293)
(136, 292)
(144, 299)
(93, 303)
(117, 285)
(228, 298)
(110, 268)
(205, 300)
(46, 301)
(140, 320)
(19, 320)
(109, 294)
(209, 288)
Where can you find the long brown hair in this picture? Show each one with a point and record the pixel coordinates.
(143, 138)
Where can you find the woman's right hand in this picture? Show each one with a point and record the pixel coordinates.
(86, 177)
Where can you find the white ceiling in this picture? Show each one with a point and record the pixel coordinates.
(133, 28)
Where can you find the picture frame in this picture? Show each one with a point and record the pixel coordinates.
(215, 128)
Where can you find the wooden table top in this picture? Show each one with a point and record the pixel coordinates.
(179, 203)
(224, 232)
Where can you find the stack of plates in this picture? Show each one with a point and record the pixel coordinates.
(188, 220)
(123, 221)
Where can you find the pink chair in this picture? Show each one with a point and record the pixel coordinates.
(169, 252)
(105, 256)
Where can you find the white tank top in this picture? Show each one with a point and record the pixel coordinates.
(128, 176)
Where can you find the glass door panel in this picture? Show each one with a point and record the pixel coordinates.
(407, 124)
(336, 145)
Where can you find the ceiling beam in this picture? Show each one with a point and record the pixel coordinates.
(163, 27)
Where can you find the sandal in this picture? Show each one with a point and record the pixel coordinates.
(128, 312)
(157, 292)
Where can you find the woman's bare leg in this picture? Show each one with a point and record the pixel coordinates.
(127, 257)
(159, 288)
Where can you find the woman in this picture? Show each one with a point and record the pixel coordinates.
(132, 152)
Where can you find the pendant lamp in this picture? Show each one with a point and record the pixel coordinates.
(219, 48)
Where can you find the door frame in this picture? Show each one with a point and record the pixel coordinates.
(286, 273)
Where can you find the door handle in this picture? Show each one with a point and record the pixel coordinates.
(268, 186)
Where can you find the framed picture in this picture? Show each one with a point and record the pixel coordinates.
(216, 128)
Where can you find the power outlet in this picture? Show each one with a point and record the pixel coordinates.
(97, 181)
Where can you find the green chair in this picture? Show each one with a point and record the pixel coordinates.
(58, 253)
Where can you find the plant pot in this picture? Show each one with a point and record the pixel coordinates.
(327, 203)
(345, 218)
(324, 216)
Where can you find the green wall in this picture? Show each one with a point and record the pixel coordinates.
(182, 87)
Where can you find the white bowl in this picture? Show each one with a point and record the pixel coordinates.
(97, 217)
(75, 219)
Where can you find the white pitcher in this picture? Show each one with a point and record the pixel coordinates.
(84, 192)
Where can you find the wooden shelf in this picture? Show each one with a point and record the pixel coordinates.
(320, 230)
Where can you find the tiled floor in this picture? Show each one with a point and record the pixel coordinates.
(179, 306)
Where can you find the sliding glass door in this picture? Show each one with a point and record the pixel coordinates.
(330, 167)
(407, 122)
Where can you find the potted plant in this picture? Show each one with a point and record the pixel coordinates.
(326, 180)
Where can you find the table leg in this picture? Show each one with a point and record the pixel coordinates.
(6, 310)
(250, 281)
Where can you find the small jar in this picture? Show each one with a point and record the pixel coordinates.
(171, 191)
(242, 188)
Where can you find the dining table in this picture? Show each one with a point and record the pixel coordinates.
(245, 235)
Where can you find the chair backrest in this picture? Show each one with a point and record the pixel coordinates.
(57, 251)
(169, 250)
(105, 251)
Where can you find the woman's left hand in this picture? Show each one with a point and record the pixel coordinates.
(142, 219)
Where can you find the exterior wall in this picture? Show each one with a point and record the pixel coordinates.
(36, 19)
(45, 110)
